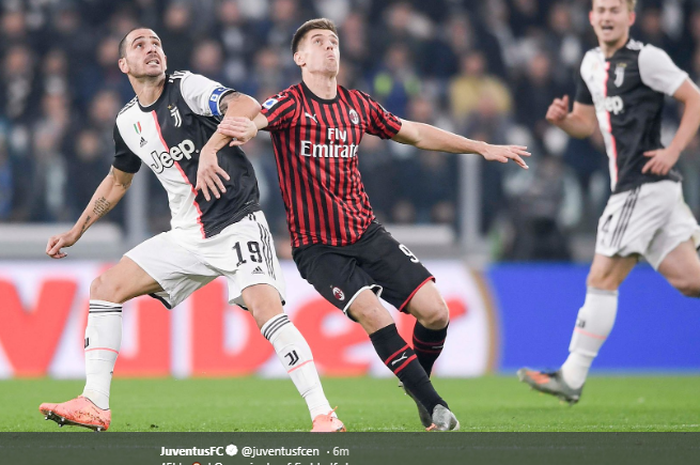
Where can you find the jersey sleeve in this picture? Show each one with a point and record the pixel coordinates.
(202, 94)
(658, 71)
(583, 94)
(279, 110)
(124, 159)
(382, 123)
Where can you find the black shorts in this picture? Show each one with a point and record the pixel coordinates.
(377, 262)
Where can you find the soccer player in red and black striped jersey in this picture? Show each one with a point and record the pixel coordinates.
(316, 128)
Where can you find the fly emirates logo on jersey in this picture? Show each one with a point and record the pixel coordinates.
(164, 160)
(335, 148)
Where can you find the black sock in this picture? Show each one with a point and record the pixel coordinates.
(398, 356)
(428, 344)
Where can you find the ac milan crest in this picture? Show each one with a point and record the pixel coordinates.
(338, 294)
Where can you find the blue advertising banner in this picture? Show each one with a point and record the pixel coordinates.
(657, 329)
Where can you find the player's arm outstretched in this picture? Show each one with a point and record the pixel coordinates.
(427, 137)
(106, 196)
(420, 135)
(662, 160)
(209, 173)
(579, 123)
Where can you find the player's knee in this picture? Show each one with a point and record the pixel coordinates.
(262, 312)
(371, 318)
(689, 287)
(437, 317)
(96, 287)
(263, 301)
(606, 282)
(103, 289)
(363, 313)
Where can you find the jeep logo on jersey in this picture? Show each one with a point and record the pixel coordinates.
(164, 160)
(613, 105)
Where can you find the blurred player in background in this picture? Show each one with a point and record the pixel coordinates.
(171, 126)
(623, 83)
(316, 128)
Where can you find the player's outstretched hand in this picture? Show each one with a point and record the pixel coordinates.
(209, 174)
(239, 128)
(661, 161)
(503, 153)
(56, 243)
(557, 111)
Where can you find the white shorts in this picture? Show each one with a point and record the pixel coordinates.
(650, 220)
(243, 252)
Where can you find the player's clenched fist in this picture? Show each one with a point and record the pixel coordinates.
(56, 243)
(557, 111)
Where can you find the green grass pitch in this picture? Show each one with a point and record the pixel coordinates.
(486, 404)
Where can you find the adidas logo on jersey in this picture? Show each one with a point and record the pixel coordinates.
(164, 160)
(258, 270)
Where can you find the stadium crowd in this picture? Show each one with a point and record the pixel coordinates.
(487, 70)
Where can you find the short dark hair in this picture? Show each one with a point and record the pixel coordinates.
(318, 23)
(122, 43)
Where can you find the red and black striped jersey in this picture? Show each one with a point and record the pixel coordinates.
(316, 145)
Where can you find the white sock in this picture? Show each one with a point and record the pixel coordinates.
(594, 322)
(103, 339)
(295, 354)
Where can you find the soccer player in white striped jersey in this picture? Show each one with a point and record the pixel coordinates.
(171, 127)
(622, 84)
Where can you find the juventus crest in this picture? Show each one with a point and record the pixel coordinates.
(175, 114)
(620, 74)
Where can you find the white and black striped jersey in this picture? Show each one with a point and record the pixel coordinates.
(168, 136)
(628, 93)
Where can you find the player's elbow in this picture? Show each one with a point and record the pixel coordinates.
(693, 103)
(409, 134)
(238, 104)
(580, 124)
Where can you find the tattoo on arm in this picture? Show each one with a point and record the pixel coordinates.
(223, 105)
(102, 206)
(85, 225)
